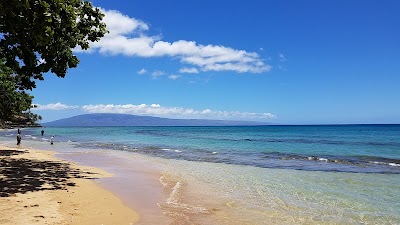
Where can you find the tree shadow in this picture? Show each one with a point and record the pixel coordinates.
(11, 152)
(19, 175)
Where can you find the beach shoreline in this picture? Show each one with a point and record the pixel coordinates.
(38, 188)
(135, 181)
(152, 176)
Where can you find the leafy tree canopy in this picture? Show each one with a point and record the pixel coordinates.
(37, 36)
(12, 102)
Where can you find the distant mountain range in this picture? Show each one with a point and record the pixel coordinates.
(110, 119)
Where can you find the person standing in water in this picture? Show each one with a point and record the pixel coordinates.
(19, 139)
(52, 139)
(42, 132)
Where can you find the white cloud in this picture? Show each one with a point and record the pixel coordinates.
(126, 37)
(142, 71)
(174, 112)
(173, 77)
(119, 24)
(158, 110)
(188, 70)
(54, 106)
(157, 73)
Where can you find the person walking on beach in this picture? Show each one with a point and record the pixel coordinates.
(42, 132)
(52, 139)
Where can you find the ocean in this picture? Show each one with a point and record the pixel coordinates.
(328, 174)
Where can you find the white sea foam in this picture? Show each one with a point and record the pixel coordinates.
(175, 191)
(214, 153)
(173, 205)
(316, 158)
(163, 181)
(394, 164)
(177, 151)
(384, 163)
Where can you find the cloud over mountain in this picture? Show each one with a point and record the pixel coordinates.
(158, 110)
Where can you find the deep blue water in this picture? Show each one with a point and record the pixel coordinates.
(341, 148)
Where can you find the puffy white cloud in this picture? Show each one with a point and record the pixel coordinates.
(188, 70)
(126, 37)
(174, 112)
(54, 106)
(119, 24)
(142, 71)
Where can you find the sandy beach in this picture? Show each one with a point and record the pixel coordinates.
(37, 188)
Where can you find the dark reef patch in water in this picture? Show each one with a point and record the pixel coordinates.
(328, 163)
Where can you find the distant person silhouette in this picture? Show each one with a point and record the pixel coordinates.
(18, 139)
(42, 132)
(52, 139)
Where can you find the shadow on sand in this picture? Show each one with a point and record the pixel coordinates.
(19, 175)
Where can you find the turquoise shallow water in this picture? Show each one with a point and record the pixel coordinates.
(262, 175)
(346, 148)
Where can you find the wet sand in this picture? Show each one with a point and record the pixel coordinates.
(135, 181)
(37, 188)
(144, 184)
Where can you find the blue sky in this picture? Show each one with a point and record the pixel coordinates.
(289, 62)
